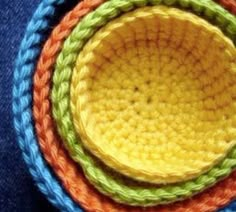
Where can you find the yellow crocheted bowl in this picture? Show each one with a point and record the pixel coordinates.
(153, 95)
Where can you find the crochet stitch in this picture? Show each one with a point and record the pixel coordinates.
(109, 184)
(29, 51)
(62, 164)
(135, 89)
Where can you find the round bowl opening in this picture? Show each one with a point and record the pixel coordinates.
(155, 95)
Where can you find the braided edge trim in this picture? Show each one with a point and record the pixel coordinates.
(28, 53)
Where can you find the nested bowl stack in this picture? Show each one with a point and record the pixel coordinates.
(129, 105)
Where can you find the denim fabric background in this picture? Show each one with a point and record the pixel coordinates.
(17, 189)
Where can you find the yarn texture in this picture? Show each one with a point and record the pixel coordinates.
(67, 170)
(105, 182)
(148, 105)
(229, 5)
(22, 100)
(69, 173)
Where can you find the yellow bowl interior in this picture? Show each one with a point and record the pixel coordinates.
(153, 95)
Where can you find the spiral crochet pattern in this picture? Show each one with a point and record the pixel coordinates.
(135, 89)
(66, 169)
(105, 182)
(80, 189)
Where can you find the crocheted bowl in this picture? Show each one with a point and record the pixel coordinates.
(47, 182)
(153, 95)
(73, 180)
(104, 180)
